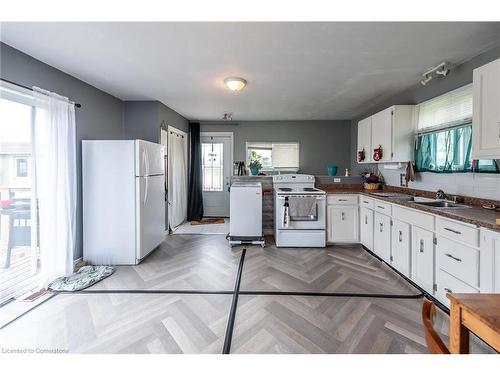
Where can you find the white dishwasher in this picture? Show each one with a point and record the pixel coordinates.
(245, 213)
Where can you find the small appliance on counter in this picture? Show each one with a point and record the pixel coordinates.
(245, 214)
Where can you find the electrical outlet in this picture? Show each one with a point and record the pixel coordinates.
(336, 179)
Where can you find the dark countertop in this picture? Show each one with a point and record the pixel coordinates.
(475, 215)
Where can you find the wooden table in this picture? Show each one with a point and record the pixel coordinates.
(476, 313)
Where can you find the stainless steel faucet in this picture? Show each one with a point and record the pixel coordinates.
(440, 194)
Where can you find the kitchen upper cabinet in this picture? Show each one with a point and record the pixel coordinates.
(486, 111)
(382, 133)
(365, 139)
(422, 249)
(342, 224)
(366, 227)
(401, 247)
(382, 236)
(392, 130)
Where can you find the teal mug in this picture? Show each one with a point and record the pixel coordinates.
(332, 170)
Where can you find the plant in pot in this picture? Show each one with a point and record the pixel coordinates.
(255, 164)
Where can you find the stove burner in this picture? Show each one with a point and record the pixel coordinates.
(310, 189)
(285, 189)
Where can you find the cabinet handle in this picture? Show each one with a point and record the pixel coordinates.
(381, 227)
(342, 216)
(365, 202)
(452, 257)
(342, 200)
(452, 230)
(421, 246)
(382, 208)
(448, 290)
(400, 236)
(366, 220)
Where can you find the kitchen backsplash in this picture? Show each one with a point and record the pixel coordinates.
(480, 185)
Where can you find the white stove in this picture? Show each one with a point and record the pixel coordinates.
(293, 192)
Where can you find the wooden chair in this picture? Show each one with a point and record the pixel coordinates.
(434, 343)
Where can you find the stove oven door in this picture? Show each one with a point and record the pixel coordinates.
(317, 223)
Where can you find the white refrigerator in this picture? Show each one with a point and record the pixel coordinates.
(123, 191)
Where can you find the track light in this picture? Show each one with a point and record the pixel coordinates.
(426, 80)
(443, 71)
(227, 116)
(438, 70)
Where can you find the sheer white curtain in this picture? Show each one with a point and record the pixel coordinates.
(177, 176)
(55, 155)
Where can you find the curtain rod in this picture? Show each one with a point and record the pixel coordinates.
(77, 105)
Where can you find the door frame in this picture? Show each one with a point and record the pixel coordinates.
(185, 135)
(230, 135)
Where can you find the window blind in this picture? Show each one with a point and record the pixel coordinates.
(285, 155)
(445, 111)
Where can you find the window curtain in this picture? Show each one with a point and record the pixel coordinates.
(55, 155)
(195, 197)
(177, 191)
(449, 151)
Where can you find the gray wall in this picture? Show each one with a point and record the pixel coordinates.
(100, 117)
(460, 75)
(142, 120)
(321, 142)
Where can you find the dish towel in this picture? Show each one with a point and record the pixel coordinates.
(410, 172)
(303, 207)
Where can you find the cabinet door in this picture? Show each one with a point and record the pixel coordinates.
(422, 271)
(486, 111)
(382, 236)
(489, 267)
(343, 223)
(366, 227)
(365, 138)
(401, 247)
(382, 133)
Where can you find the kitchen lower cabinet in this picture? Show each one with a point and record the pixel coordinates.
(342, 224)
(489, 261)
(401, 247)
(382, 236)
(366, 227)
(422, 271)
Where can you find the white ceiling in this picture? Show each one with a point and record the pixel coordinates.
(295, 71)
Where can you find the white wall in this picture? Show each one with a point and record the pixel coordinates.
(479, 185)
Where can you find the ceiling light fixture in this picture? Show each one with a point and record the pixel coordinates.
(227, 116)
(235, 83)
(435, 71)
(426, 80)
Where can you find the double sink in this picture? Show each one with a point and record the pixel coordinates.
(436, 203)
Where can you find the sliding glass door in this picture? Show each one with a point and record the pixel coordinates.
(19, 251)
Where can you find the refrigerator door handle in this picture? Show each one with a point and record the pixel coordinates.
(146, 191)
(147, 161)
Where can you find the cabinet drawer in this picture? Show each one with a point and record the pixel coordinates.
(457, 231)
(410, 216)
(458, 260)
(342, 199)
(446, 283)
(366, 202)
(382, 207)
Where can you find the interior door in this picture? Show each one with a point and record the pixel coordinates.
(151, 213)
(216, 174)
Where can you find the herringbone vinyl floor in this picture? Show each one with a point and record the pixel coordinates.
(180, 323)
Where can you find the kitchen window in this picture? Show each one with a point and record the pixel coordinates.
(22, 167)
(444, 135)
(275, 156)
